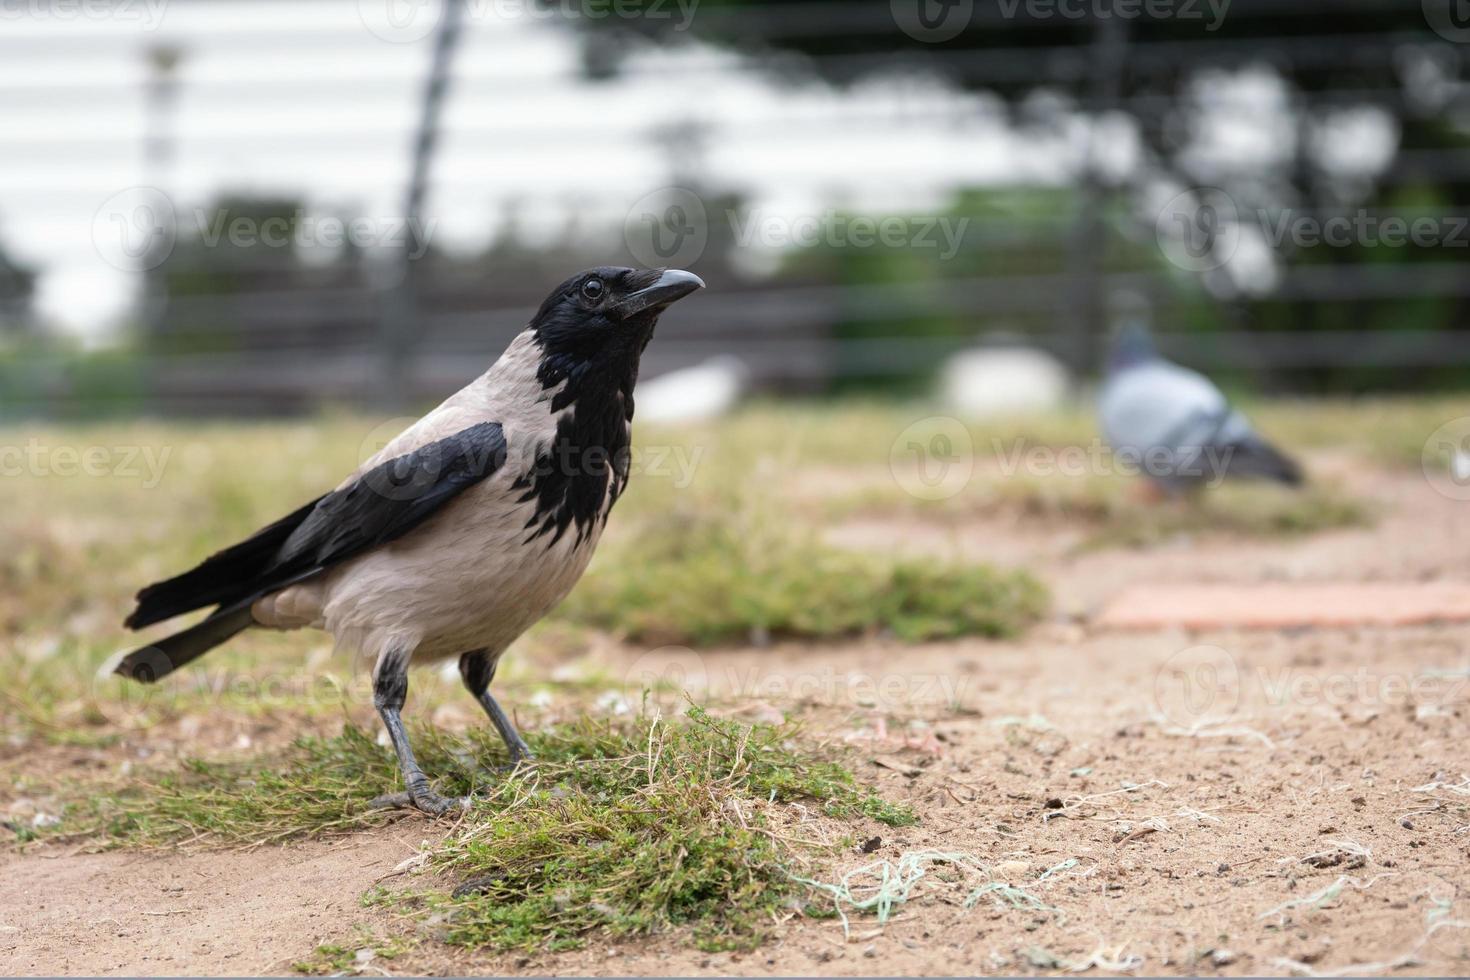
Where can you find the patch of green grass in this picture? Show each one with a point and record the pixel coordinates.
(1247, 511)
(686, 577)
(1111, 507)
(1387, 430)
(1120, 519)
(620, 827)
(355, 955)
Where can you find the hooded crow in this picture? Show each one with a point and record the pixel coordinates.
(462, 532)
(1177, 424)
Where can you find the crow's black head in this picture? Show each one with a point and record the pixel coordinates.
(608, 313)
(593, 328)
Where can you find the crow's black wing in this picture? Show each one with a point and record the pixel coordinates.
(216, 579)
(381, 505)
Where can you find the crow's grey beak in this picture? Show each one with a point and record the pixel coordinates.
(671, 285)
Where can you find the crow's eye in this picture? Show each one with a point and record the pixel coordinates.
(593, 289)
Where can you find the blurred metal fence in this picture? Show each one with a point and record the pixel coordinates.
(275, 339)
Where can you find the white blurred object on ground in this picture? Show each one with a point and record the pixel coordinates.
(985, 382)
(693, 394)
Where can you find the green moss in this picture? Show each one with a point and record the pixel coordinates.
(337, 959)
(698, 580)
(621, 828)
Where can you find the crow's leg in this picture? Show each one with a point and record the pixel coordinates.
(477, 668)
(390, 690)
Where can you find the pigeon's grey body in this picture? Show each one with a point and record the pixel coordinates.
(463, 531)
(1176, 426)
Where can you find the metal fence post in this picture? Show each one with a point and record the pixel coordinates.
(1086, 316)
(400, 307)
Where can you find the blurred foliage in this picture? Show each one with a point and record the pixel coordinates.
(240, 254)
(843, 41)
(52, 376)
(17, 286)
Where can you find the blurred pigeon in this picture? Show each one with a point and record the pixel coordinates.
(694, 394)
(1175, 424)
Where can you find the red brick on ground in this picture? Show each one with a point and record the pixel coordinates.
(1286, 604)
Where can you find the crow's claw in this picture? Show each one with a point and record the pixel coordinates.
(425, 802)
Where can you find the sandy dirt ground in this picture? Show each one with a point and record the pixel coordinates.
(1235, 802)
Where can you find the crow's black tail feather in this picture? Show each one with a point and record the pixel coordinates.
(148, 664)
(226, 577)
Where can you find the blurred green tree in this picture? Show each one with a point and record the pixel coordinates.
(1338, 61)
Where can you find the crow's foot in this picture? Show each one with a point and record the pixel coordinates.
(425, 801)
